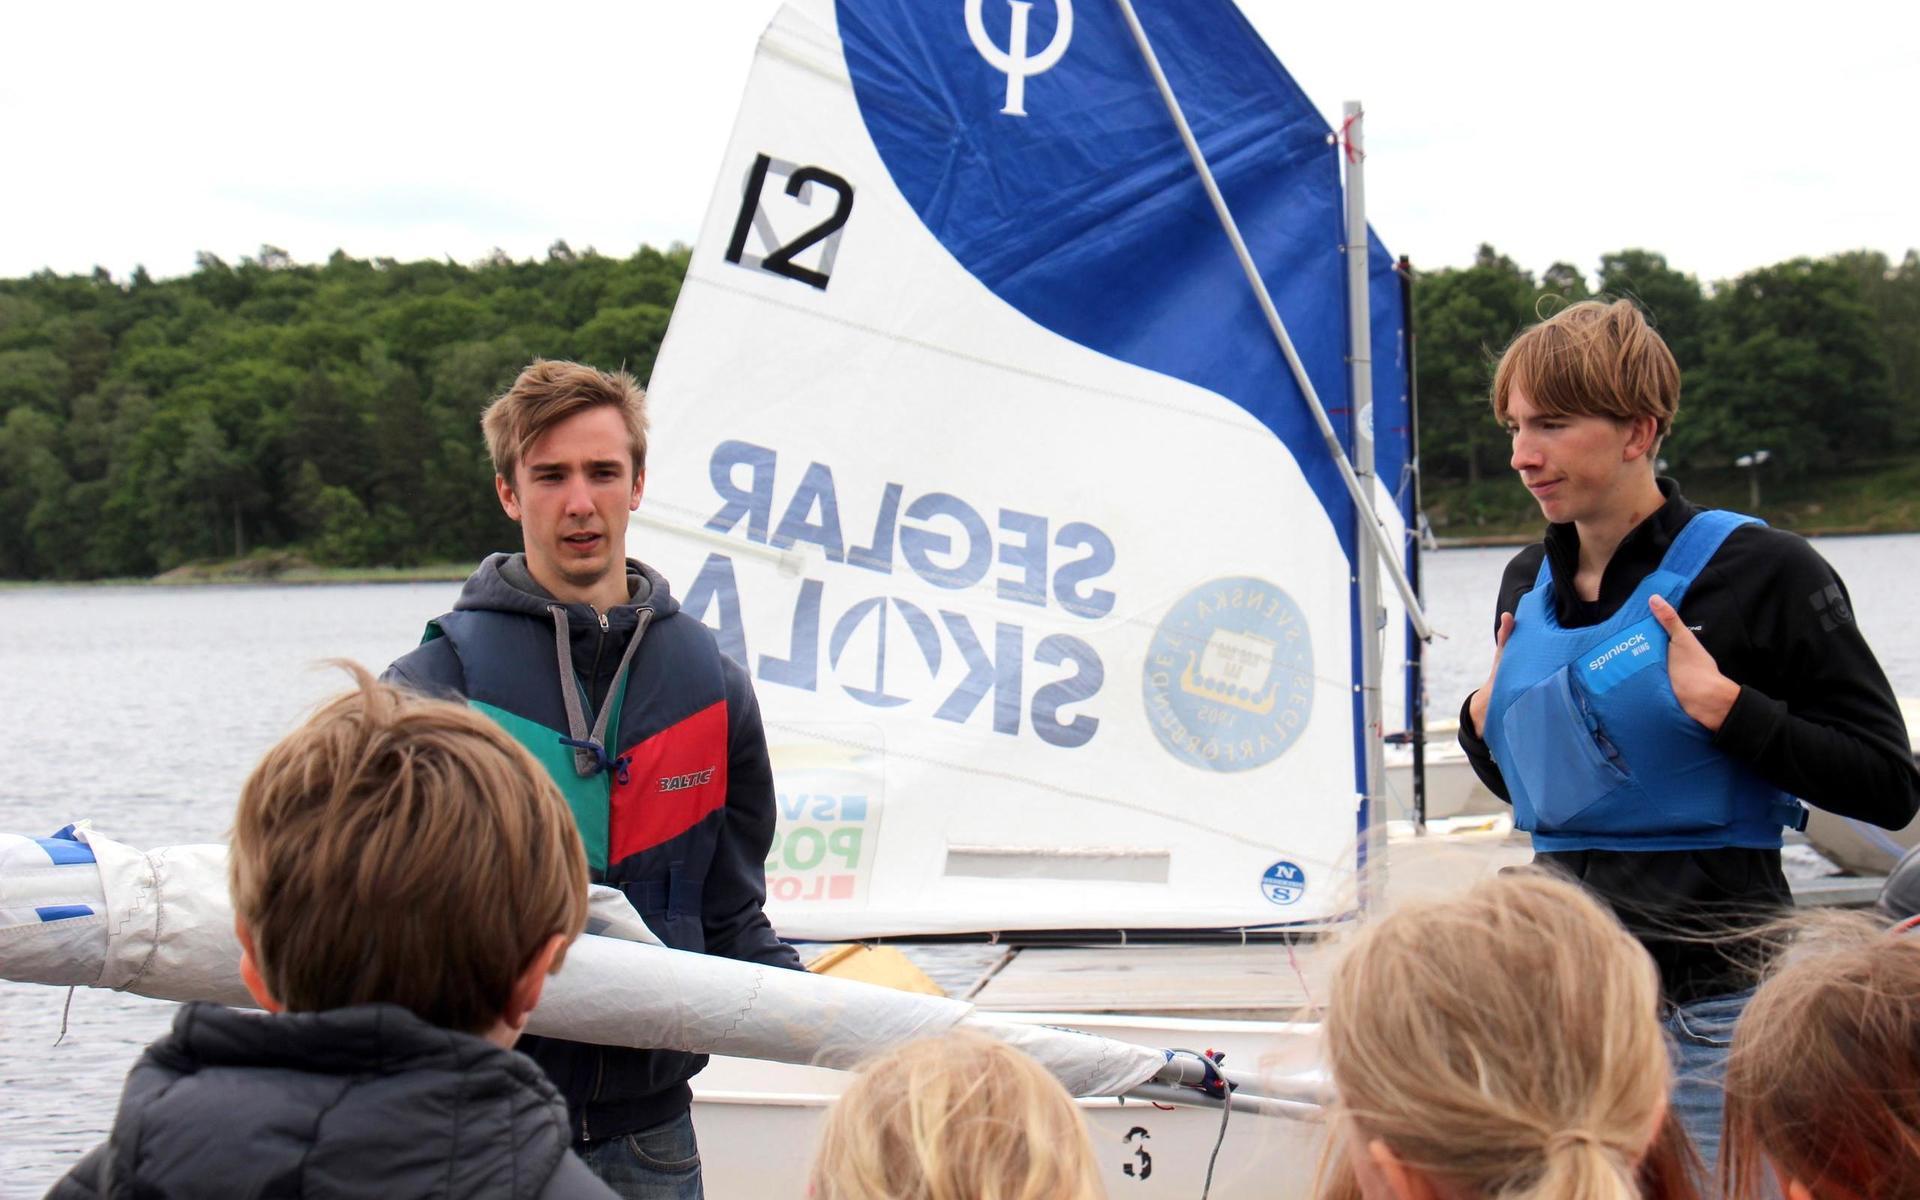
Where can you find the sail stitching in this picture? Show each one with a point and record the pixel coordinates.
(1239, 425)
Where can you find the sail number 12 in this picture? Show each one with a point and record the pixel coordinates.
(802, 183)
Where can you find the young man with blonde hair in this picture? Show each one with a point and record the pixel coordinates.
(653, 735)
(396, 986)
(1669, 682)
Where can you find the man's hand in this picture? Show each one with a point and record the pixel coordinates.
(1477, 703)
(1704, 693)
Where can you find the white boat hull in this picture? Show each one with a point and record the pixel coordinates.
(1143, 1150)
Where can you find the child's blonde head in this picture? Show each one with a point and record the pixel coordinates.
(1824, 1078)
(1503, 1042)
(955, 1117)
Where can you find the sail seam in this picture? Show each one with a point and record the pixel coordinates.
(1240, 424)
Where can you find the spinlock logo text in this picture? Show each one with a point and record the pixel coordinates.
(1635, 645)
(1229, 676)
(886, 651)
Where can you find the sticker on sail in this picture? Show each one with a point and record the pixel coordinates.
(1283, 882)
(1228, 682)
(828, 808)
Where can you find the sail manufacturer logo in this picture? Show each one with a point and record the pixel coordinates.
(1283, 882)
(1228, 682)
(1014, 62)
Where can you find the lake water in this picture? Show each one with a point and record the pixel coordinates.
(144, 708)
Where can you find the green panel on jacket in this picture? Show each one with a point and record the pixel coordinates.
(588, 798)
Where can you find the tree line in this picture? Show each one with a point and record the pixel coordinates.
(332, 409)
(328, 409)
(1816, 361)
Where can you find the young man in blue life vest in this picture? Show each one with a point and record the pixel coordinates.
(1668, 681)
(653, 735)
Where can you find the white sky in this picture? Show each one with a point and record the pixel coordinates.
(1727, 136)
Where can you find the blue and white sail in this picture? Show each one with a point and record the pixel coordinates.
(976, 450)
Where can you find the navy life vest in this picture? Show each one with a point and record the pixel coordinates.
(1595, 749)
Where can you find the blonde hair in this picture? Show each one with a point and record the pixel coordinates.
(1593, 358)
(549, 391)
(403, 850)
(1824, 1075)
(1504, 1041)
(955, 1117)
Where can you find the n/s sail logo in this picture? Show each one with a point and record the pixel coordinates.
(1283, 882)
(1014, 62)
(1229, 675)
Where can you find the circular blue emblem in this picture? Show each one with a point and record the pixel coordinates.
(1229, 675)
(1283, 882)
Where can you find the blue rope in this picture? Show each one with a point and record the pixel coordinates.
(617, 767)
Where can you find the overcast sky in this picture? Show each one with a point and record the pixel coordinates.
(1727, 136)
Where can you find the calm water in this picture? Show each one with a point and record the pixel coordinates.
(144, 708)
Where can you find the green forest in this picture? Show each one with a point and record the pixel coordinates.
(1816, 361)
(328, 412)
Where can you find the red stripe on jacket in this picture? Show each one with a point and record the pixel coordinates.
(674, 779)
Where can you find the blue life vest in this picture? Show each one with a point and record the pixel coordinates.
(1596, 751)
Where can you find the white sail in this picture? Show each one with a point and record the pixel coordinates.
(1047, 632)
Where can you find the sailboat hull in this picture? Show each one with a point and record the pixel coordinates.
(1143, 1150)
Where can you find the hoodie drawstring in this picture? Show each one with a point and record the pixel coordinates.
(589, 746)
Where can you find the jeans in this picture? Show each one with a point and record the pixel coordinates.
(662, 1163)
(1701, 1033)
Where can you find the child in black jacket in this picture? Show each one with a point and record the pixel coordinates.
(395, 977)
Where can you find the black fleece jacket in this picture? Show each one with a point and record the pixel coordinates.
(1815, 717)
(362, 1101)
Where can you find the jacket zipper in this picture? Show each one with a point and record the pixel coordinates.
(599, 654)
(599, 1073)
(600, 1056)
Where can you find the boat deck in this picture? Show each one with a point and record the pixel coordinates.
(1257, 981)
(1242, 983)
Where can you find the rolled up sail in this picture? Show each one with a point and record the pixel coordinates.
(81, 909)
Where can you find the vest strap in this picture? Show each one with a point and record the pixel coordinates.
(1696, 546)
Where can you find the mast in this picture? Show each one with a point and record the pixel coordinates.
(1416, 649)
(1370, 530)
(1371, 617)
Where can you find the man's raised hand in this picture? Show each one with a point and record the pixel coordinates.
(1704, 693)
(1477, 705)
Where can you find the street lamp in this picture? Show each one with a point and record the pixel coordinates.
(1751, 463)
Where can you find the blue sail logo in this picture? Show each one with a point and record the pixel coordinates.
(1283, 882)
(1013, 62)
(879, 609)
(1228, 682)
